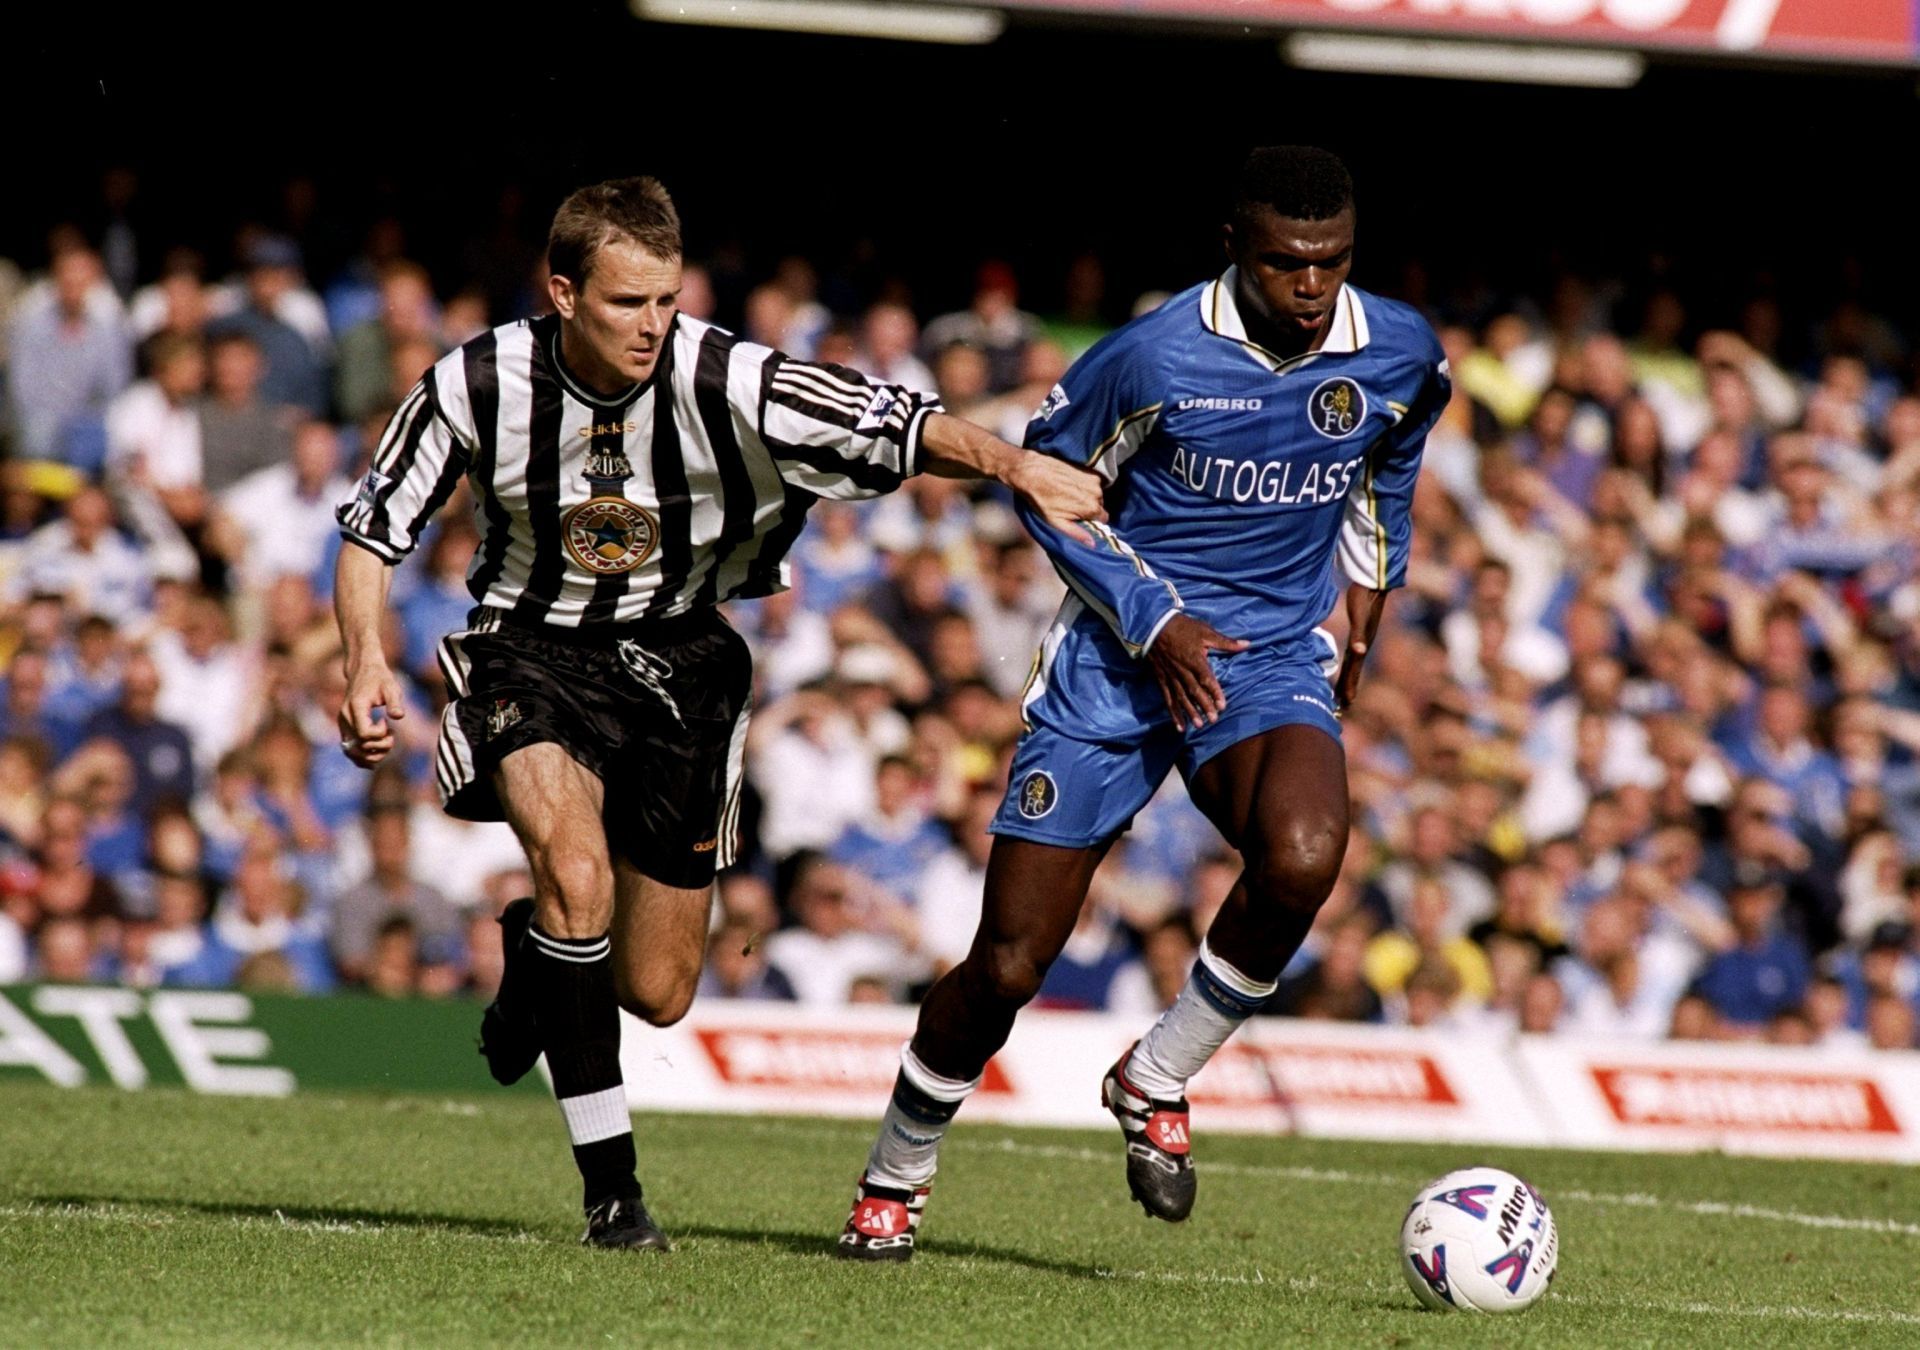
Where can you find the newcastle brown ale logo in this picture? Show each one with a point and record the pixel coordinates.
(608, 535)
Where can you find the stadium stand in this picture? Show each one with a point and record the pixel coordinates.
(1638, 754)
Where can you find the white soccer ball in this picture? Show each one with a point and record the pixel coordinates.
(1478, 1240)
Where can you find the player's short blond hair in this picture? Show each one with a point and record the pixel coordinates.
(637, 209)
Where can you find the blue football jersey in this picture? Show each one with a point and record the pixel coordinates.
(1239, 479)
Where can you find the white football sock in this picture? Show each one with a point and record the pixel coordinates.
(1212, 1004)
(923, 1104)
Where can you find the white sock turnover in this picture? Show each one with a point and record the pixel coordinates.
(923, 1105)
(1212, 1004)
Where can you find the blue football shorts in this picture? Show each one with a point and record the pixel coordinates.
(1100, 740)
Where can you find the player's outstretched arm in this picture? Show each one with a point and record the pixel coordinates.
(360, 583)
(1063, 494)
(875, 436)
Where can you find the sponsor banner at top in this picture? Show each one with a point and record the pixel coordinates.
(1833, 30)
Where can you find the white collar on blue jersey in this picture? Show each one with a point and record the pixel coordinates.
(1346, 332)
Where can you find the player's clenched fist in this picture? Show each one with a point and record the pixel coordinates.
(367, 739)
(1061, 492)
(1179, 660)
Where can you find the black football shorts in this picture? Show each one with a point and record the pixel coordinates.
(658, 711)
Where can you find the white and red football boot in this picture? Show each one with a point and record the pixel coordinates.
(1159, 1144)
(883, 1223)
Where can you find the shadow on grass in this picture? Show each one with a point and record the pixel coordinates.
(796, 1243)
(816, 1244)
(321, 1214)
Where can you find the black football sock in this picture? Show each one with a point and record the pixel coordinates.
(570, 981)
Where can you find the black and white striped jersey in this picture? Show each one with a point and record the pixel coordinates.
(681, 492)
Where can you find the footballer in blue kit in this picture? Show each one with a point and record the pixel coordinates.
(1237, 477)
(1260, 436)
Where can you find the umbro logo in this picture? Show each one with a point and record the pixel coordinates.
(1220, 404)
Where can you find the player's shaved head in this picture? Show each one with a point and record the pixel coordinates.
(638, 209)
(1291, 240)
(1299, 182)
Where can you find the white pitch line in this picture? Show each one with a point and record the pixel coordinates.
(1776, 1312)
(1336, 1176)
(95, 1213)
(1689, 1307)
(446, 1107)
(1196, 1277)
(1090, 1155)
(159, 1215)
(1711, 1208)
(1721, 1208)
(1296, 1283)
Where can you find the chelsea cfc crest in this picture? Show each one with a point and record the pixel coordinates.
(1336, 407)
(1039, 794)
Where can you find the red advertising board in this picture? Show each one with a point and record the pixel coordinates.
(1314, 1078)
(1836, 30)
(1750, 1099)
(1835, 1103)
(1315, 1075)
(1318, 1079)
(814, 1059)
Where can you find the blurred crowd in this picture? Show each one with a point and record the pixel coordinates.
(1637, 754)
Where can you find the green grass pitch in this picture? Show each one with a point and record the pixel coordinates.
(163, 1218)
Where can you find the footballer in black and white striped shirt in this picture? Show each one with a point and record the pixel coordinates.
(631, 468)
